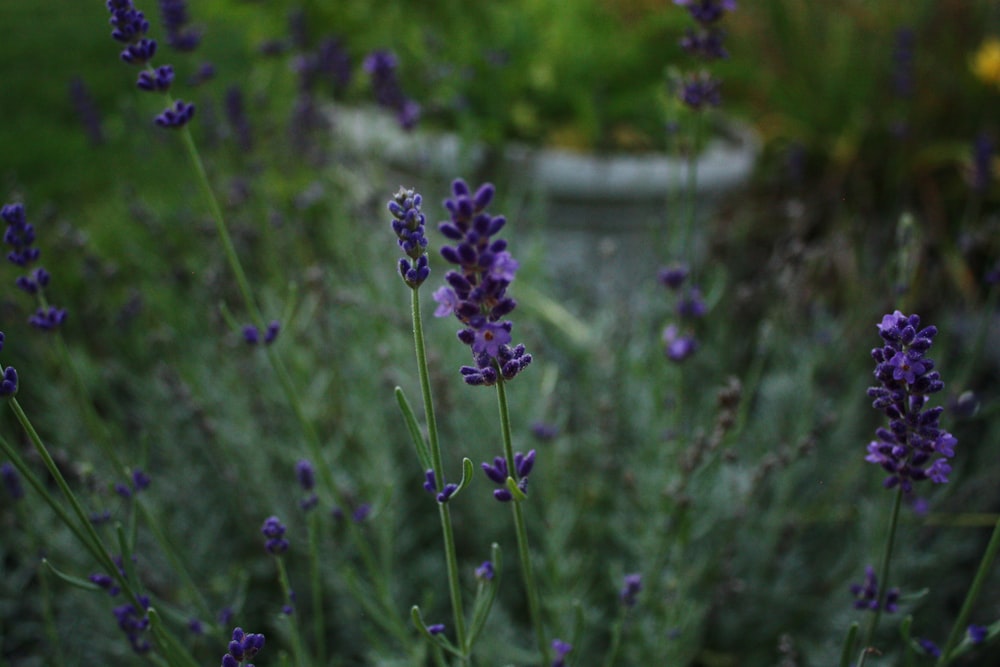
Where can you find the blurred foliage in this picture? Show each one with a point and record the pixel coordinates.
(745, 531)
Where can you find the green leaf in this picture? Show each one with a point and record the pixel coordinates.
(423, 453)
(84, 584)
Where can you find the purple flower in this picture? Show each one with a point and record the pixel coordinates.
(157, 80)
(140, 480)
(701, 90)
(20, 235)
(902, 58)
(485, 572)
(175, 22)
(176, 116)
(251, 334)
(978, 633)
(673, 276)
(436, 629)
(866, 594)
(408, 223)
(134, 622)
(430, 485)
(306, 475)
(631, 589)
(930, 648)
(561, 649)
(913, 447)
(8, 382)
(243, 646)
(381, 65)
(274, 531)
(692, 306)
(498, 472)
(707, 12)
(678, 347)
(477, 292)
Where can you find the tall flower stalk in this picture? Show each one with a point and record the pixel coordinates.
(476, 294)
(914, 447)
(408, 223)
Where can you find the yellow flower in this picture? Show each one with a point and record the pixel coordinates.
(986, 61)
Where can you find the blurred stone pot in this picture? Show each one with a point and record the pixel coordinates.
(605, 216)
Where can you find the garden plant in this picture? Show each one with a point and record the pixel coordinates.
(268, 401)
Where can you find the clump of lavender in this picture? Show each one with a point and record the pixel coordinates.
(130, 28)
(20, 235)
(243, 647)
(381, 65)
(914, 447)
(866, 594)
(706, 43)
(408, 223)
(477, 293)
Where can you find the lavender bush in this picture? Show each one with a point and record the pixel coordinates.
(238, 449)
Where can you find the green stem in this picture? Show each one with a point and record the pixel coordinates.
(292, 618)
(319, 630)
(527, 572)
(444, 512)
(970, 598)
(883, 575)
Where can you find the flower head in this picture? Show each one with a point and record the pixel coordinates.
(562, 649)
(631, 589)
(499, 471)
(913, 447)
(477, 291)
(274, 531)
(243, 646)
(408, 223)
(866, 594)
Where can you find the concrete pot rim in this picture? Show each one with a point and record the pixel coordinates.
(724, 165)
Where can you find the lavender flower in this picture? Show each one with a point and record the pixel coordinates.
(11, 481)
(242, 647)
(134, 623)
(498, 472)
(8, 383)
(436, 629)
(485, 572)
(914, 447)
(87, 111)
(673, 276)
(430, 485)
(408, 223)
(562, 649)
(678, 346)
(700, 89)
(631, 589)
(129, 26)
(175, 22)
(20, 235)
(929, 647)
(866, 594)
(140, 480)
(251, 334)
(477, 293)
(978, 633)
(274, 531)
(381, 65)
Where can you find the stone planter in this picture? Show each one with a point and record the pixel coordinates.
(605, 217)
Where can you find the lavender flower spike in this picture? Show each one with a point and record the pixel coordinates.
(274, 531)
(477, 292)
(914, 447)
(243, 647)
(408, 223)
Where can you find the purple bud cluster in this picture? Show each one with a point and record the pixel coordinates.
(11, 481)
(477, 293)
(129, 26)
(381, 66)
(430, 486)
(243, 647)
(274, 531)
(408, 223)
(678, 339)
(306, 475)
(562, 649)
(866, 594)
(134, 623)
(706, 43)
(631, 589)
(499, 471)
(914, 447)
(251, 334)
(20, 235)
(8, 380)
(175, 21)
